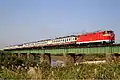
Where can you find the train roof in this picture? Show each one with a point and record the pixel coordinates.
(95, 32)
(46, 40)
(66, 37)
(38, 41)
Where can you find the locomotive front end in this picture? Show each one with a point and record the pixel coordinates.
(109, 36)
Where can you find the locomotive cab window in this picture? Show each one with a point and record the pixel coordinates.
(104, 32)
(109, 32)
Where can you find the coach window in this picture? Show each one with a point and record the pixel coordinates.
(75, 38)
(72, 38)
(67, 40)
(64, 40)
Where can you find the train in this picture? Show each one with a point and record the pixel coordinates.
(102, 36)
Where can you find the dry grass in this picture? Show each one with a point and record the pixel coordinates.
(84, 71)
(18, 69)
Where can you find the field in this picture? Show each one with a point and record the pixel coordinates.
(14, 68)
(81, 71)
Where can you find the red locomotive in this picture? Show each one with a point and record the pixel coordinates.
(98, 36)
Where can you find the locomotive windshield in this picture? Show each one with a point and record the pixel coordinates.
(109, 32)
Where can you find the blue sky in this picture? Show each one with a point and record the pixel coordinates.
(31, 20)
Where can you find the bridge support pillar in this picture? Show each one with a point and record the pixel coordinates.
(37, 58)
(116, 57)
(69, 59)
(79, 58)
(46, 57)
